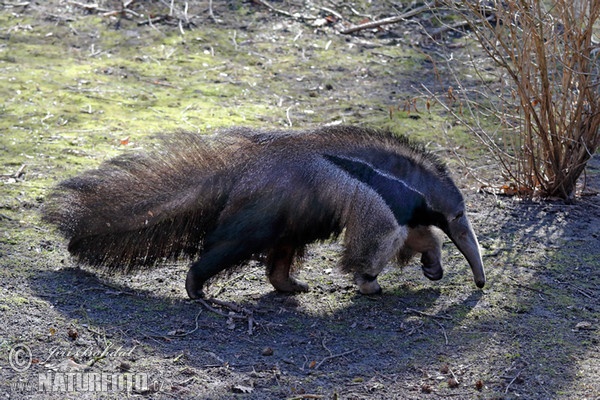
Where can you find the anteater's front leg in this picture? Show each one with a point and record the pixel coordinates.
(371, 241)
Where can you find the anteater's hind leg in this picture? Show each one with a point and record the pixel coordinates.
(279, 263)
(221, 256)
(247, 231)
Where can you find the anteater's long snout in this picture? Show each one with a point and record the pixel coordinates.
(462, 235)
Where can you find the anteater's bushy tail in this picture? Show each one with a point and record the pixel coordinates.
(135, 210)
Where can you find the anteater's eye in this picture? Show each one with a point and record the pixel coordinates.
(458, 216)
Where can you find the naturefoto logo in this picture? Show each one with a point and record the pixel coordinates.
(20, 359)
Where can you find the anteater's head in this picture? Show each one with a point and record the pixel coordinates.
(426, 198)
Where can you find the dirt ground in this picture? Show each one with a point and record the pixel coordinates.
(81, 82)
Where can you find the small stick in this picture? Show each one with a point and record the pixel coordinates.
(332, 12)
(185, 13)
(513, 380)
(250, 325)
(458, 25)
(19, 171)
(516, 283)
(445, 337)
(242, 313)
(287, 115)
(333, 356)
(270, 7)
(452, 372)
(221, 313)
(100, 357)
(93, 331)
(325, 347)
(387, 21)
(283, 12)
(87, 6)
(193, 330)
(226, 304)
(210, 12)
(583, 293)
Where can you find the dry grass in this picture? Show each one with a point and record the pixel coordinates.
(549, 105)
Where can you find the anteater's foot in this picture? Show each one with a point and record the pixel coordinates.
(193, 286)
(287, 284)
(367, 284)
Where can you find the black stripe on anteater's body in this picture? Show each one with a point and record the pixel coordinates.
(243, 192)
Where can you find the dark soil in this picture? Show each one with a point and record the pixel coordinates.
(533, 332)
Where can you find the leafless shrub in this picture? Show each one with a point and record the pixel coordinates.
(549, 108)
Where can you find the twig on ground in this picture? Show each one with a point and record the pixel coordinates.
(89, 7)
(21, 4)
(250, 325)
(445, 336)
(514, 379)
(270, 7)
(91, 330)
(229, 305)
(332, 12)
(452, 372)
(236, 312)
(387, 21)
(333, 356)
(193, 330)
(325, 347)
(457, 25)
(516, 283)
(577, 288)
(219, 312)
(104, 11)
(17, 174)
(151, 21)
(354, 11)
(456, 394)
(287, 115)
(210, 12)
(283, 12)
(173, 17)
(100, 357)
